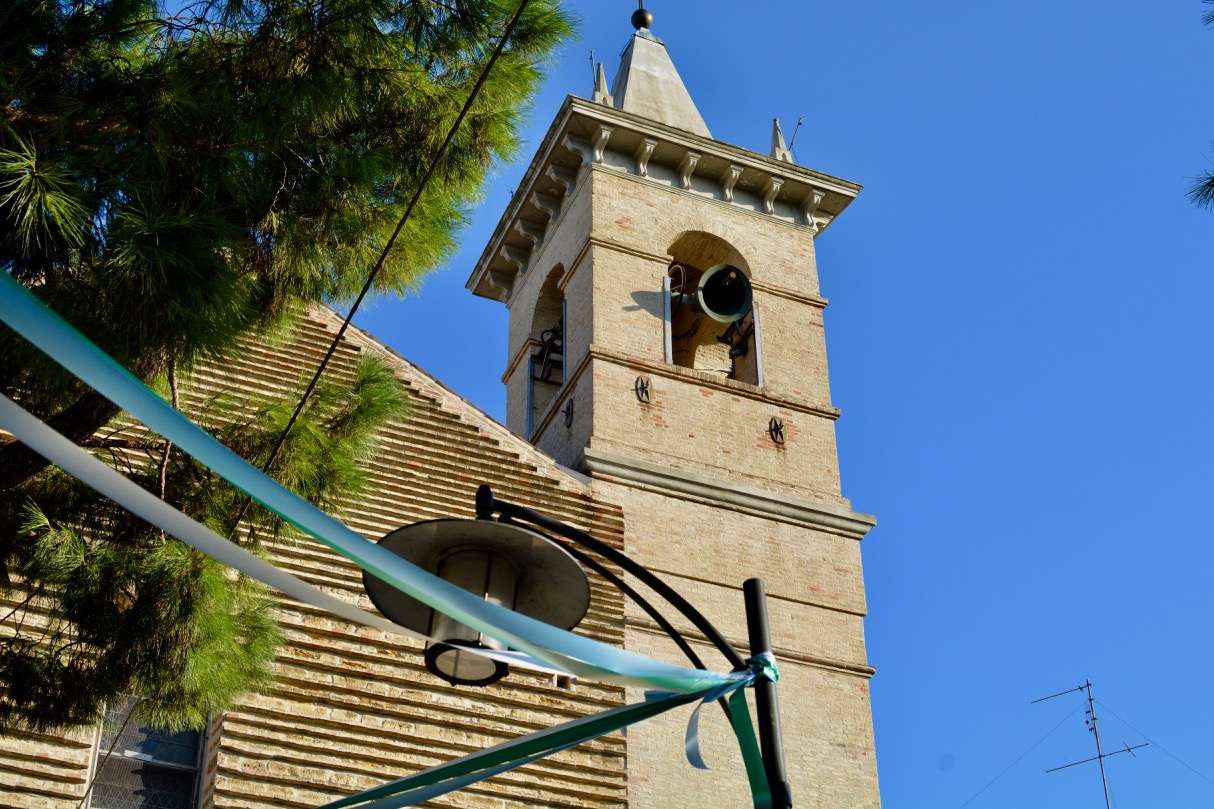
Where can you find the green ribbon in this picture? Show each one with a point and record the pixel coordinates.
(469, 769)
(763, 666)
(752, 757)
(456, 774)
(459, 773)
(21, 310)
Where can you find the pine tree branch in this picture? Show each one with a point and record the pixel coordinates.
(1201, 193)
(220, 158)
(29, 596)
(121, 443)
(78, 422)
(168, 445)
(89, 413)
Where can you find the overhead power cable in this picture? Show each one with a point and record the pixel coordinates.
(1157, 744)
(438, 156)
(1018, 758)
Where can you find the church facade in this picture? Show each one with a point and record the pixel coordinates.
(697, 440)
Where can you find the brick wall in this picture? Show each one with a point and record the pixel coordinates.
(353, 707)
(703, 425)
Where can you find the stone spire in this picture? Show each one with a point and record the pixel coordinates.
(601, 96)
(648, 85)
(779, 149)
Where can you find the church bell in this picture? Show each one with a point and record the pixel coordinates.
(723, 294)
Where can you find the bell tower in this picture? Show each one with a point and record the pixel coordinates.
(666, 339)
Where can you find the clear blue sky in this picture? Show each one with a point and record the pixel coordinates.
(1020, 342)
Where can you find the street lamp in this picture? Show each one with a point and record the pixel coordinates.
(523, 569)
(504, 564)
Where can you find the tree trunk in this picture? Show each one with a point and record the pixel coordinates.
(78, 422)
(91, 412)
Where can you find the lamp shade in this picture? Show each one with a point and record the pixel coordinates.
(504, 564)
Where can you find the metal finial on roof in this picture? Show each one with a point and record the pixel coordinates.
(642, 18)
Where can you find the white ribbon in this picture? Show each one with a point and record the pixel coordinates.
(571, 653)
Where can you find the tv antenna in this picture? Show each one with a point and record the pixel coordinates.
(1091, 723)
(793, 142)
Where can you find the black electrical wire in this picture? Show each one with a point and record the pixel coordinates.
(442, 150)
(630, 592)
(1155, 743)
(1019, 757)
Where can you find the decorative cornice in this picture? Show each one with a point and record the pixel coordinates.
(687, 167)
(809, 210)
(859, 670)
(580, 139)
(707, 380)
(728, 179)
(837, 520)
(770, 191)
(642, 155)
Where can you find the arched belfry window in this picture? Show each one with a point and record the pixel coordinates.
(711, 320)
(546, 367)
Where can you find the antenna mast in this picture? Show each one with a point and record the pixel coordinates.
(793, 142)
(1091, 723)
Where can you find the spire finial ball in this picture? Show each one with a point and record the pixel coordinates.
(642, 18)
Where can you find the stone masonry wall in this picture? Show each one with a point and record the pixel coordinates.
(702, 424)
(706, 550)
(353, 707)
(708, 423)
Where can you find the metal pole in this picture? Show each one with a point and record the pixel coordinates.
(1104, 779)
(767, 704)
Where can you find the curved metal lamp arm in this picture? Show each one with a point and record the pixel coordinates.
(487, 505)
(652, 612)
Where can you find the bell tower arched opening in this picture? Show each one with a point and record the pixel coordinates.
(720, 341)
(546, 371)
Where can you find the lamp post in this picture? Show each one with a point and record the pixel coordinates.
(522, 568)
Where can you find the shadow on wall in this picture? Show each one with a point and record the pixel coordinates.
(652, 302)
